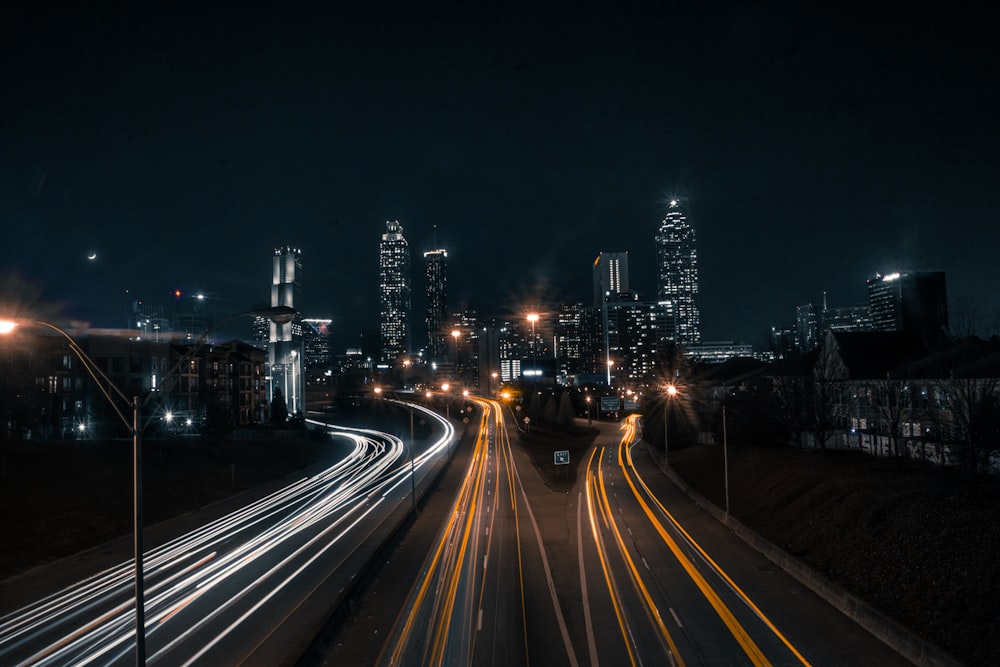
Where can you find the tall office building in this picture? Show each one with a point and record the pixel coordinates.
(908, 301)
(677, 273)
(807, 327)
(316, 342)
(569, 343)
(284, 346)
(394, 302)
(610, 277)
(436, 286)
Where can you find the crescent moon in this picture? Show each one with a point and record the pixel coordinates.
(92, 256)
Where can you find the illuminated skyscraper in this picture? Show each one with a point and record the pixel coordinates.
(677, 273)
(284, 346)
(394, 301)
(437, 303)
(908, 301)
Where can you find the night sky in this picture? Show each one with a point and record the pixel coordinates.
(181, 144)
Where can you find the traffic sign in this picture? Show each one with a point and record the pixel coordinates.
(561, 457)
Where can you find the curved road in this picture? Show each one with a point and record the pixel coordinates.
(219, 594)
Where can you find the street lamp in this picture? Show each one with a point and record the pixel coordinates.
(671, 392)
(533, 317)
(294, 355)
(725, 456)
(277, 314)
(455, 333)
(413, 484)
(590, 420)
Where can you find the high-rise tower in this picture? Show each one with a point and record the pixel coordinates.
(284, 344)
(907, 301)
(677, 273)
(437, 302)
(610, 277)
(394, 302)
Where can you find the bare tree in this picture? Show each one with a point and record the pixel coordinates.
(970, 418)
(893, 410)
(825, 398)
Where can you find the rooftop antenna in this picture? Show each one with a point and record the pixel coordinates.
(435, 237)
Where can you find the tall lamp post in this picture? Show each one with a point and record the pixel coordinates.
(278, 314)
(725, 456)
(589, 418)
(533, 317)
(455, 333)
(671, 392)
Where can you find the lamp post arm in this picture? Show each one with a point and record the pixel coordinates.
(102, 381)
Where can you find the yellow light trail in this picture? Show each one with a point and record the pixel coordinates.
(603, 557)
(739, 633)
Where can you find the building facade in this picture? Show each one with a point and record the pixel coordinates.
(610, 277)
(316, 340)
(908, 301)
(677, 273)
(394, 299)
(436, 299)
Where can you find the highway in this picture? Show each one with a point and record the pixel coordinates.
(228, 592)
(476, 599)
(671, 603)
(667, 584)
(624, 570)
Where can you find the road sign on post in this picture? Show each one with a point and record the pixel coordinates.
(561, 457)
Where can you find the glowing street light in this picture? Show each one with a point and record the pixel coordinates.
(671, 392)
(456, 334)
(533, 317)
(447, 404)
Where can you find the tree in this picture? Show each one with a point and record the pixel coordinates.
(279, 411)
(893, 408)
(566, 414)
(550, 411)
(970, 418)
(824, 397)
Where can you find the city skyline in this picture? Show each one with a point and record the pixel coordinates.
(813, 148)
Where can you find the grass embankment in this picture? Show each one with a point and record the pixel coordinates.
(60, 498)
